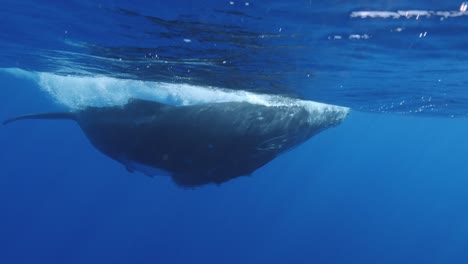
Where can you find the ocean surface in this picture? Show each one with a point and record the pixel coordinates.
(389, 185)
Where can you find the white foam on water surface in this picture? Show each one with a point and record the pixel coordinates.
(407, 14)
(78, 92)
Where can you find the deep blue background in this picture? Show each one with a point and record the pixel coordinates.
(376, 189)
(379, 188)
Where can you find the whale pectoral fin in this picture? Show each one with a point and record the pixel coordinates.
(60, 115)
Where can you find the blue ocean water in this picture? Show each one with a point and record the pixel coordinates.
(386, 186)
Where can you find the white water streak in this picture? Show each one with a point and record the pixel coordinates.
(77, 92)
(407, 14)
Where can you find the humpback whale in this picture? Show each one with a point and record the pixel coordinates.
(198, 144)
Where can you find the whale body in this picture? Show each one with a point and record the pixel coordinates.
(198, 144)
